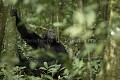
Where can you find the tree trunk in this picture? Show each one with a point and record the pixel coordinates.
(111, 63)
(10, 36)
(9, 56)
(2, 22)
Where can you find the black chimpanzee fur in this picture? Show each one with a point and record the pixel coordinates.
(35, 40)
(47, 42)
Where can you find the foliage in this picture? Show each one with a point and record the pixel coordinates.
(83, 32)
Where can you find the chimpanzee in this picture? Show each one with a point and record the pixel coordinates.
(48, 41)
(34, 40)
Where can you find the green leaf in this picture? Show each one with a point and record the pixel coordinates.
(43, 68)
(99, 48)
(39, 8)
(48, 77)
(33, 65)
(46, 65)
(73, 31)
(96, 67)
(26, 1)
(90, 18)
(79, 17)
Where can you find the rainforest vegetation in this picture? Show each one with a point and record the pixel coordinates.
(59, 40)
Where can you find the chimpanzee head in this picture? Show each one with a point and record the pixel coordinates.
(13, 12)
(50, 36)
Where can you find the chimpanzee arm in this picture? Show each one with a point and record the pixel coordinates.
(59, 48)
(29, 36)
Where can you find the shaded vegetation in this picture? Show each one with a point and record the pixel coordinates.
(89, 30)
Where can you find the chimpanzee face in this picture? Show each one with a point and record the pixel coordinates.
(50, 36)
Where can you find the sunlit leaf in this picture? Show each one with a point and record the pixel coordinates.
(58, 24)
(45, 64)
(79, 64)
(43, 68)
(27, 1)
(87, 35)
(89, 48)
(73, 31)
(90, 18)
(7, 2)
(39, 8)
(79, 17)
